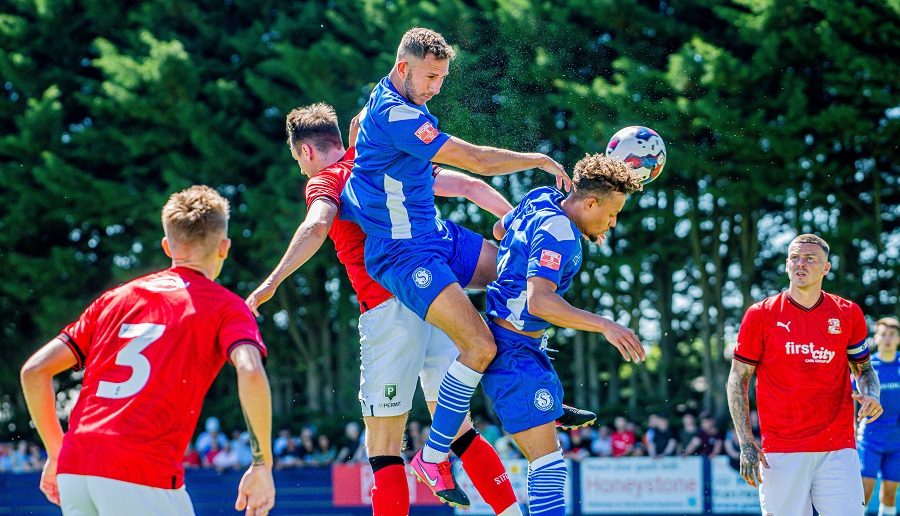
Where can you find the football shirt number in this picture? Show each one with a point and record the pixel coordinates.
(142, 335)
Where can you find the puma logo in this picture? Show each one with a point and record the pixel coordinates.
(786, 326)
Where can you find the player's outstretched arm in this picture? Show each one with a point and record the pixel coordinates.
(739, 407)
(869, 395)
(256, 492)
(543, 302)
(490, 161)
(450, 183)
(37, 384)
(306, 241)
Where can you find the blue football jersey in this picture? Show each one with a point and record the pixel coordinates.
(540, 240)
(887, 427)
(390, 193)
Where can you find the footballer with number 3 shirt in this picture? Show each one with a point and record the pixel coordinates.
(150, 350)
(799, 343)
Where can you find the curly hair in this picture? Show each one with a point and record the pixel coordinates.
(598, 174)
(197, 216)
(420, 42)
(316, 125)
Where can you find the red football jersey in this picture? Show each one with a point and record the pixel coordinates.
(150, 350)
(803, 382)
(349, 239)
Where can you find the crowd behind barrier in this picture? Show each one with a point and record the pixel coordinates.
(623, 438)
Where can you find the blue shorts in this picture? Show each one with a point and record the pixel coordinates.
(877, 456)
(416, 270)
(521, 382)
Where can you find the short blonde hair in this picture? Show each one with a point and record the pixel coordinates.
(599, 175)
(196, 217)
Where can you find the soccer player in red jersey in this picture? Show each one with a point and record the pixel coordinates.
(798, 343)
(397, 347)
(150, 350)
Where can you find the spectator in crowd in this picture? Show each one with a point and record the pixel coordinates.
(688, 430)
(660, 438)
(352, 442)
(281, 442)
(227, 458)
(290, 457)
(601, 446)
(708, 440)
(732, 449)
(240, 443)
(307, 447)
(581, 444)
(324, 452)
(623, 439)
(36, 457)
(6, 458)
(20, 462)
(210, 435)
(191, 458)
(211, 453)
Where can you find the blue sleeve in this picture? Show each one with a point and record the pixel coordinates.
(507, 219)
(550, 251)
(412, 132)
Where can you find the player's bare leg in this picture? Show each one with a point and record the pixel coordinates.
(546, 468)
(486, 269)
(452, 312)
(868, 488)
(384, 440)
(484, 468)
(888, 497)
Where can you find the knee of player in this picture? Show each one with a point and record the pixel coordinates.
(484, 353)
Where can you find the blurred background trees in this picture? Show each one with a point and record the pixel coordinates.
(779, 118)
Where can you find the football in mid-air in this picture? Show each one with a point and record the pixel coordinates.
(640, 147)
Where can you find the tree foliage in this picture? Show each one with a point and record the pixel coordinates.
(779, 118)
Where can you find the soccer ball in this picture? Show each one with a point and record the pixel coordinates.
(640, 147)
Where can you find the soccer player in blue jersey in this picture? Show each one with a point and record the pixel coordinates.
(540, 253)
(420, 258)
(879, 440)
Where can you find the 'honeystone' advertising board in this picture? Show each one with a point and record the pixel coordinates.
(642, 485)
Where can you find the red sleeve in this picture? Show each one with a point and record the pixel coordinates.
(239, 327)
(326, 184)
(749, 348)
(80, 334)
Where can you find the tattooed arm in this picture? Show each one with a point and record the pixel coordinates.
(256, 492)
(739, 406)
(869, 391)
